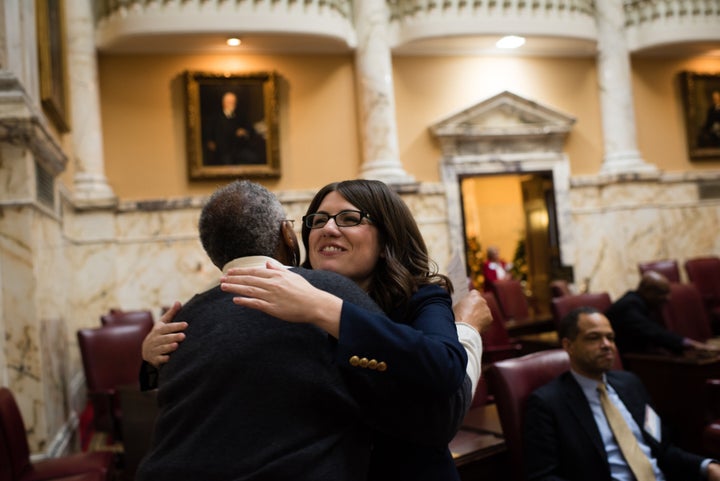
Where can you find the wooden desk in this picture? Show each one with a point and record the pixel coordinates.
(478, 448)
(539, 342)
(479, 457)
(484, 420)
(677, 387)
(532, 325)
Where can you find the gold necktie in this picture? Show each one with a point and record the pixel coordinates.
(636, 459)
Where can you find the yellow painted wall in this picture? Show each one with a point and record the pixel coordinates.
(142, 105)
(493, 212)
(659, 111)
(142, 108)
(429, 89)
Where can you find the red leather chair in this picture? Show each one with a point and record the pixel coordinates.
(512, 299)
(111, 357)
(667, 267)
(512, 381)
(685, 314)
(497, 343)
(562, 306)
(704, 273)
(117, 316)
(15, 464)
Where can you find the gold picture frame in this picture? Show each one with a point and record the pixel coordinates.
(701, 103)
(232, 125)
(50, 21)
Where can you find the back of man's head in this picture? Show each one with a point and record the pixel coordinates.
(654, 288)
(241, 219)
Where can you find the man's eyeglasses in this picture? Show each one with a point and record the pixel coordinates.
(345, 218)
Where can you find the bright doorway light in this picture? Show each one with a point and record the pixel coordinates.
(510, 41)
(233, 42)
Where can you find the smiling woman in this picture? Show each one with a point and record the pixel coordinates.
(363, 230)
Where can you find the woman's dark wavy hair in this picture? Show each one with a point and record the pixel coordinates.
(404, 265)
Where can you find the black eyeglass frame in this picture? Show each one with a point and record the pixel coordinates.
(307, 219)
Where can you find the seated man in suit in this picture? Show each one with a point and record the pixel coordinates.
(593, 423)
(635, 318)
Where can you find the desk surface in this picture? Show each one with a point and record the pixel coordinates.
(484, 420)
(479, 437)
(468, 446)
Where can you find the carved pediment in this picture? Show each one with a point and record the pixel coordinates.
(505, 122)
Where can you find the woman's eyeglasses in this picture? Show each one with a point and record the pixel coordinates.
(344, 218)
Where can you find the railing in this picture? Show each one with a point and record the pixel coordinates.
(106, 8)
(638, 12)
(403, 8)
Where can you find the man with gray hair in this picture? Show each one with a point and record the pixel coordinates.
(249, 396)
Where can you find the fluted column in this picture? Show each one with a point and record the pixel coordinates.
(616, 99)
(91, 186)
(373, 65)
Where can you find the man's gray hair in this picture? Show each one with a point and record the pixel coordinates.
(241, 219)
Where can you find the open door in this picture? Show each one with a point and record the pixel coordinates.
(543, 254)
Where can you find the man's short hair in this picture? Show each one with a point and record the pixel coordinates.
(240, 219)
(569, 324)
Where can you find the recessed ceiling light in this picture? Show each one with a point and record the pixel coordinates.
(233, 42)
(511, 41)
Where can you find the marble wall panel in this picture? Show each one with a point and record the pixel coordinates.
(53, 279)
(18, 316)
(16, 172)
(621, 225)
(156, 274)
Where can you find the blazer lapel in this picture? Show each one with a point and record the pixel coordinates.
(580, 409)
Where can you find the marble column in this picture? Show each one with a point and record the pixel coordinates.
(616, 99)
(373, 65)
(91, 188)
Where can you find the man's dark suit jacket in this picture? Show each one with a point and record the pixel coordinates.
(636, 330)
(562, 441)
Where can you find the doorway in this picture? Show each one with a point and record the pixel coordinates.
(515, 213)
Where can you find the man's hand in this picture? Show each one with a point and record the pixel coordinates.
(473, 309)
(164, 338)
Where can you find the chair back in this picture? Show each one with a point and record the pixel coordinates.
(511, 298)
(496, 333)
(497, 343)
(512, 381)
(704, 272)
(115, 316)
(667, 267)
(14, 449)
(684, 313)
(562, 306)
(112, 355)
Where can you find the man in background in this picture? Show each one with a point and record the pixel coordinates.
(636, 319)
(594, 424)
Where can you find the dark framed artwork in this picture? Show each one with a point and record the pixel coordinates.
(701, 102)
(51, 58)
(232, 125)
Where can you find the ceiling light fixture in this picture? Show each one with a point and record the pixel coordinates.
(510, 41)
(233, 42)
